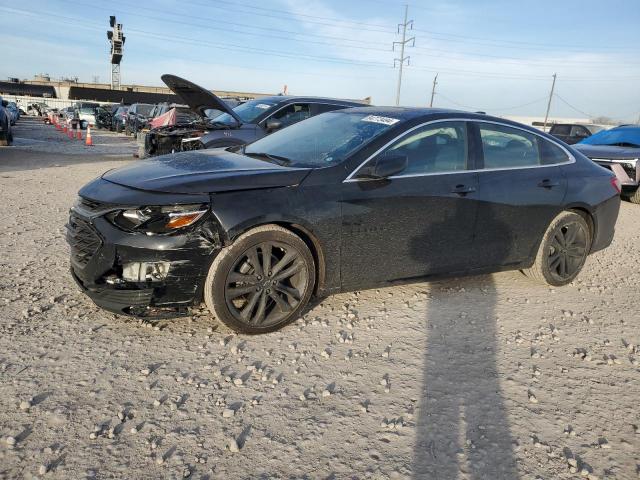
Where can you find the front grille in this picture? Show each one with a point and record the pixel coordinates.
(83, 240)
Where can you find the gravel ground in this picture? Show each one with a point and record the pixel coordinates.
(32, 135)
(479, 378)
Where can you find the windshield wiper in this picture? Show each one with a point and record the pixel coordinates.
(279, 159)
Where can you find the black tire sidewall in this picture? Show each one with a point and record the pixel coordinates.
(215, 283)
(561, 220)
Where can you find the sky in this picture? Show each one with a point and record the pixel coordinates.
(496, 56)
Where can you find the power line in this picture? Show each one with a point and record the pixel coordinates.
(315, 22)
(295, 15)
(337, 60)
(518, 42)
(491, 109)
(572, 107)
(215, 24)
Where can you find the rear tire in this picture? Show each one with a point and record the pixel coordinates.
(563, 250)
(262, 281)
(634, 197)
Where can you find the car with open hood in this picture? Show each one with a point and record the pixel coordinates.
(345, 200)
(227, 123)
(618, 150)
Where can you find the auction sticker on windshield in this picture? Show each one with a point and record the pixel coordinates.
(379, 119)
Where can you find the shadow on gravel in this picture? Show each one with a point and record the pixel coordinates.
(462, 429)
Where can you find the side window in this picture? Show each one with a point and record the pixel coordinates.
(318, 108)
(506, 147)
(293, 113)
(550, 153)
(440, 147)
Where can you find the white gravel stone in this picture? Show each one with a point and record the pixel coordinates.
(233, 445)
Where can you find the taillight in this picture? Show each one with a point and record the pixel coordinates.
(615, 183)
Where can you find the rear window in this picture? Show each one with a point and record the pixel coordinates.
(506, 147)
(560, 130)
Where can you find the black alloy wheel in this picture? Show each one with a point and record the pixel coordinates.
(563, 250)
(568, 250)
(266, 284)
(262, 281)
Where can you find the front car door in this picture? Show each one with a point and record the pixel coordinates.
(416, 223)
(521, 190)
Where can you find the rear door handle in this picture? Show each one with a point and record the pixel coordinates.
(546, 183)
(463, 189)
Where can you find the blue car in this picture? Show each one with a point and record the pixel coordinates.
(618, 150)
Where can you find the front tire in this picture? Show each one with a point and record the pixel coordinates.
(563, 250)
(262, 281)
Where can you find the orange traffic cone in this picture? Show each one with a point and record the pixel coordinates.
(70, 133)
(64, 128)
(79, 136)
(89, 141)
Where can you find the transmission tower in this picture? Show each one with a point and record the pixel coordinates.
(403, 43)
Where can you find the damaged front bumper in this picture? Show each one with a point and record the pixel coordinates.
(627, 171)
(103, 258)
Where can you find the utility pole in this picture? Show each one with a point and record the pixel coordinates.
(546, 116)
(403, 43)
(433, 90)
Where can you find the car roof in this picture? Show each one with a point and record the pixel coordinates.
(299, 98)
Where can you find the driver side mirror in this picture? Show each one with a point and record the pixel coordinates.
(273, 124)
(5, 103)
(384, 166)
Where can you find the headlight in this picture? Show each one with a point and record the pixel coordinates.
(152, 220)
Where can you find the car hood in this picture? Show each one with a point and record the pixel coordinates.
(608, 151)
(197, 97)
(204, 171)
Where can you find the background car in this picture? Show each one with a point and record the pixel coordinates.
(137, 118)
(618, 150)
(250, 120)
(103, 117)
(119, 118)
(6, 136)
(346, 200)
(571, 133)
(14, 112)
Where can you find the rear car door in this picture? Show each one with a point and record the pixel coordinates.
(521, 189)
(416, 223)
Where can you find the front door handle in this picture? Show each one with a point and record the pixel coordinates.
(546, 183)
(463, 189)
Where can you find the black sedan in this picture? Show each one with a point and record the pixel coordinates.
(345, 200)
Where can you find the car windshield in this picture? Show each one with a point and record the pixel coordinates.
(143, 110)
(621, 137)
(322, 140)
(247, 111)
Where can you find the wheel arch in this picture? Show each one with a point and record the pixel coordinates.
(585, 212)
